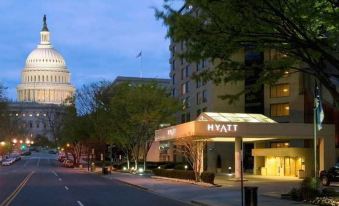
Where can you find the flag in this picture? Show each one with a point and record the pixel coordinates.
(139, 55)
(318, 108)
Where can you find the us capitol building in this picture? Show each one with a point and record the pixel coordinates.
(45, 86)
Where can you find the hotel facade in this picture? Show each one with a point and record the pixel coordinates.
(274, 126)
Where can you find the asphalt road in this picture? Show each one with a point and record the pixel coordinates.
(39, 181)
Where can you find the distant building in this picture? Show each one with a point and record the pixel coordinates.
(45, 85)
(141, 80)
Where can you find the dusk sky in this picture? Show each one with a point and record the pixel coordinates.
(99, 39)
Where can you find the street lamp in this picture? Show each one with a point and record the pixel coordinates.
(27, 141)
(68, 145)
(14, 141)
(32, 142)
(21, 141)
(2, 143)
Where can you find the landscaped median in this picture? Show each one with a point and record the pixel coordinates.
(188, 176)
(310, 191)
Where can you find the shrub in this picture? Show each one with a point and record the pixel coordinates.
(328, 192)
(295, 194)
(179, 174)
(309, 188)
(207, 177)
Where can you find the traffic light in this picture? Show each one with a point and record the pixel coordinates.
(23, 147)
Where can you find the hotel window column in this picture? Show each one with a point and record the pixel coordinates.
(204, 96)
(199, 98)
(280, 90)
(279, 110)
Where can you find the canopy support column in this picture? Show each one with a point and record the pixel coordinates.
(237, 157)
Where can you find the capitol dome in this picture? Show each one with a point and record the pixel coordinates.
(46, 58)
(45, 77)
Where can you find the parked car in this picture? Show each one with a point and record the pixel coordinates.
(61, 158)
(331, 175)
(52, 152)
(68, 163)
(26, 153)
(8, 162)
(17, 158)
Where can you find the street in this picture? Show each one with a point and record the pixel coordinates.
(39, 180)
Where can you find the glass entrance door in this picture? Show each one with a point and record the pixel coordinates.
(282, 166)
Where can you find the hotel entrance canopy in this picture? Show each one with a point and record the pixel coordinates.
(251, 127)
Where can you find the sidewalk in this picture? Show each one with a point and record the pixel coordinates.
(190, 193)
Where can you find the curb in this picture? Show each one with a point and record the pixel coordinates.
(201, 184)
(130, 184)
(199, 203)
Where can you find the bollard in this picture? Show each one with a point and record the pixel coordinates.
(251, 196)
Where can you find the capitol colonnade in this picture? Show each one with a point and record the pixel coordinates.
(43, 95)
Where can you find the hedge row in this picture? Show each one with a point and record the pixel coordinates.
(207, 177)
(179, 174)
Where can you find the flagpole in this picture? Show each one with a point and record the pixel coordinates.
(140, 69)
(315, 138)
(141, 66)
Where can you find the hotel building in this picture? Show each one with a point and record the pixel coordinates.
(282, 111)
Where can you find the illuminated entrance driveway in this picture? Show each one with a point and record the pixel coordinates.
(272, 157)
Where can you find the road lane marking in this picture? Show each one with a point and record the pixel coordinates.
(11, 197)
(38, 163)
(66, 188)
(55, 173)
(79, 203)
(27, 160)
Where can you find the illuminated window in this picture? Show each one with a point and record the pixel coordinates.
(280, 90)
(280, 144)
(286, 74)
(185, 88)
(278, 110)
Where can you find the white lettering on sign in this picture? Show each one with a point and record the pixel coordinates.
(222, 128)
(171, 132)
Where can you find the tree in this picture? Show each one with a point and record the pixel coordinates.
(54, 118)
(304, 34)
(9, 127)
(136, 112)
(192, 150)
(4, 119)
(75, 132)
